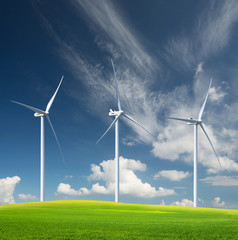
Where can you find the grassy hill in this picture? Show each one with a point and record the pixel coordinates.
(76, 219)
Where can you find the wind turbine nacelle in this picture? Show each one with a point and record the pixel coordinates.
(189, 123)
(112, 113)
(38, 115)
(115, 113)
(196, 121)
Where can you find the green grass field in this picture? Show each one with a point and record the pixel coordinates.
(76, 219)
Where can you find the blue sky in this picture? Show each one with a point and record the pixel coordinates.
(165, 53)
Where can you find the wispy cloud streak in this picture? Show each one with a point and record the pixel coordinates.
(107, 19)
(209, 36)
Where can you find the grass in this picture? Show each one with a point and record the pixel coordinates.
(77, 219)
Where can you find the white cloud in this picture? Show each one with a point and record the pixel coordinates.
(221, 180)
(199, 69)
(227, 164)
(186, 203)
(172, 175)
(162, 202)
(216, 94)
(129, 141)
(66, 189)
(175, 140)
(217, 202)
(130, 184)
(26, 197)
(7, 188)
(183, 203)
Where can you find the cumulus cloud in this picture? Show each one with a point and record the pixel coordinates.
(218, 203)
(183, 203)
(7, 188)
(221, 180)
(172, 175)
(227, 164)
(130, 184)
(174, 141)
(26, 197)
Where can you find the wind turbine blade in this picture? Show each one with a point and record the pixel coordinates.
(130, 118)
(184, 119)
(56, 138)
(210, 143)
(203, 106)
(114, 121)
(31, 108)
(53, 97)
(117, 90)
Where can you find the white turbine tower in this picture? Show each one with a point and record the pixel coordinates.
(195, 123)
(117, 115)
(42, 114)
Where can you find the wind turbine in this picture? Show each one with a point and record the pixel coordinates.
(117, 114)
(42, 114)
(195, 123)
